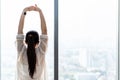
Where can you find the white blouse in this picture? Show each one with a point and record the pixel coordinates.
(22, 63)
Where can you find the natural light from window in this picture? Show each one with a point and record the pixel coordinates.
(10, 14)
(88, 36)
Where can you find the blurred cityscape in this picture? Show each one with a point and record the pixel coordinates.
(87, 64)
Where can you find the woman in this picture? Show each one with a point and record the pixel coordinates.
(31, 58)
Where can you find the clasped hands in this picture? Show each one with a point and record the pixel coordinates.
(31, 8)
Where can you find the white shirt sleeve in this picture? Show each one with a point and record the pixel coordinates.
(43, 44)
(20, 44)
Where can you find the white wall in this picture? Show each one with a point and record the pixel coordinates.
(119, 39)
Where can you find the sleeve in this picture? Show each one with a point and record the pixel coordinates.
(43, 44)
(20, 38)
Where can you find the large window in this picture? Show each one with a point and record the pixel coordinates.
(88, 36)
(10, 15)
(83, 36)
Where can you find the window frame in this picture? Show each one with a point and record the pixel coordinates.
(118, 68)
(56, 40)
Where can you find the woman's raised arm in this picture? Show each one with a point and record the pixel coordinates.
(21, 22)
(43, 22)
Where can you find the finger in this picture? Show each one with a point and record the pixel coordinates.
(35, 5)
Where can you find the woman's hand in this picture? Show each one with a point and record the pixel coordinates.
(36, 8)
(30, 8)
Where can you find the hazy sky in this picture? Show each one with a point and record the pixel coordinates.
(88, 22)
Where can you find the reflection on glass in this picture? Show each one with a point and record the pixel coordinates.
(88, 40)
(10, 14)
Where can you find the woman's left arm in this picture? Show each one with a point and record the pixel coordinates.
(20, 36)
(21, 22)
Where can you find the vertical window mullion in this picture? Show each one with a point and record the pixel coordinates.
(118, 40)
(55, 39)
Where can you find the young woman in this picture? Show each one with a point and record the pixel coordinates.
(31, 58)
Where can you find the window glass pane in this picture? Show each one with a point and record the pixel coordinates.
(10, 15)
(88, 39)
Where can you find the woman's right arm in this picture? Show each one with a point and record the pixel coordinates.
(43, 22)
(43, 37)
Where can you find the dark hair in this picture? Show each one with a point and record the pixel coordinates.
(32, 38)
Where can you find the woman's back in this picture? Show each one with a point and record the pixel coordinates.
(22, 61)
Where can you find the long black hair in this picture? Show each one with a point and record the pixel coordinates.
(32, 38)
